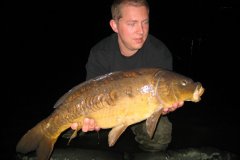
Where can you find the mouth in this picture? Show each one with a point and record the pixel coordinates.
(139, 40)
(198, 93)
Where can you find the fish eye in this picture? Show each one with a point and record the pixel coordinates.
(184, 82)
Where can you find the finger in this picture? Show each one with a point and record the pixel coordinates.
(85, 126)
(172, 109)
(97, 128)
(181, 104)
(165, 111)
(91, 125)
(74, 126)
(86, 121)
(175, 105)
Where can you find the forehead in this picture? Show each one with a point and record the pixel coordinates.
(134, 12)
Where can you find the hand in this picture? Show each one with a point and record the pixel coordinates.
(88, 125)
(172, 108)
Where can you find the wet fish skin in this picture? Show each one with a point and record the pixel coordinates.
(115, 100)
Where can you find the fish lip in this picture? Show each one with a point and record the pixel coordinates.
(198, 93)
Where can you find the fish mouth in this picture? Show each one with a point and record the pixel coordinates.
(198, 93)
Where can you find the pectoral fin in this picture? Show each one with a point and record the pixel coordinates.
(151, 122)
(74, 133)
(115, 133)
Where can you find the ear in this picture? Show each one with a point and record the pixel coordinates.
(113, 25)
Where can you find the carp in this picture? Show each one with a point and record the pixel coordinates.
(115, 100)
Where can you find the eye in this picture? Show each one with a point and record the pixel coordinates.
(131, 24)
(146, 22)
(184, 82)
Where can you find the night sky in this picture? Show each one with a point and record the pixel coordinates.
(47, 45)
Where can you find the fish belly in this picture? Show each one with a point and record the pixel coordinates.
(127, 111)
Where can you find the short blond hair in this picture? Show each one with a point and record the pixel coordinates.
(117, 4)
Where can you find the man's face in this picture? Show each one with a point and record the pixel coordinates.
(132, 27)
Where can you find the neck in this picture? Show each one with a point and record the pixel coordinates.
(126, 51)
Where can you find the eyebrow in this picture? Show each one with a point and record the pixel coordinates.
(132, 21)
(137, 20)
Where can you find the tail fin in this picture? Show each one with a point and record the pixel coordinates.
(35, 139)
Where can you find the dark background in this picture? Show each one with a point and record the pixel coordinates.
(46, 45)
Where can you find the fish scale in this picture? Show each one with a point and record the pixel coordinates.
(115, 100)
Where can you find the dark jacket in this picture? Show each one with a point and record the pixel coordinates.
(105, 57)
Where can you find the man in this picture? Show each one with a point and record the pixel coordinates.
(130, 47)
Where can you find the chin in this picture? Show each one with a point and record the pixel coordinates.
(138, 46)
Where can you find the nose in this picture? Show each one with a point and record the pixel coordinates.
(140, 29)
